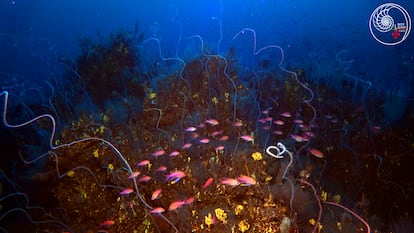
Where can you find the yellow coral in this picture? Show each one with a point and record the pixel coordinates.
(243, 226)
(238, 209)
(221, 215)
(214, 100)
(257, 156)
(209, 220)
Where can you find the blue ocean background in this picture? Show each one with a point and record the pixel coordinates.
(329, 41)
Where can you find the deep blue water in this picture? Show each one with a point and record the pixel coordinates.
(368, 87)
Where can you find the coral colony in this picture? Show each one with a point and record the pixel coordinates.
(183, 146)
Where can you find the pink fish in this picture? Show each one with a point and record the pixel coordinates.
(161, 168)
(158, 153)
(224, 138)
(316, 153)
(126, 191)
(175, 205)
(191, 129)
(247, 138)
(246, 180)
(266, 111)
(278, 132)
(174, 153)
(212, 122)
(186, 146)
(286, 114)
(156, 194)
(204, 140)
(107, 223)
(263, 120)
(175, 176)
(144, 179)
(238, 124)
(297, 138)
(208, 182)
(143, 163)
(298, 121)
(268, 119)
(218, 148)
(157, 210)
(279, 122)
(134, 174)
(230, 182)
(216, 133)
(267, 127)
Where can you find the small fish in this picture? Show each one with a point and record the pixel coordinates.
(266, 111)
(144, 179)
(186, 146)
(191, 129)
(143, 163)
(157, 210)
(189, 200)
(286, 114)
(278, 132)
(279, 122)
(238, 124)
(316, 153)
(216, 133)
(230, 182)
(174, 153)
(126, 191)
(161, 168)
(262, 120)
(297, 138)
(107, 223)
(134, 174)
(224, 138)
(156, 194)
(208, 182)
(175, 176)
(194, 135)
(175, 205)
(267, 119)
(158, 153)
(267, 127)
(218, 148)
(298, 121)
(212, 122)
(246, 180)
(204, 140)
(247, 138)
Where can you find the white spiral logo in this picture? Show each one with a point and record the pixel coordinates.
(387, 22)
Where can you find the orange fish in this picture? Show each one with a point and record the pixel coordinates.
(246, 180)
(208, 182)
(189, 200)
(230, 182)
(212, 122)
(156, 194)
(175, 205)
(107, 223)
(134, 174)
(224, 138)
(161, 168)
(144, 179)
(316, 153)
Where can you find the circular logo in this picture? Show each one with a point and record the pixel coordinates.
(390, 24)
